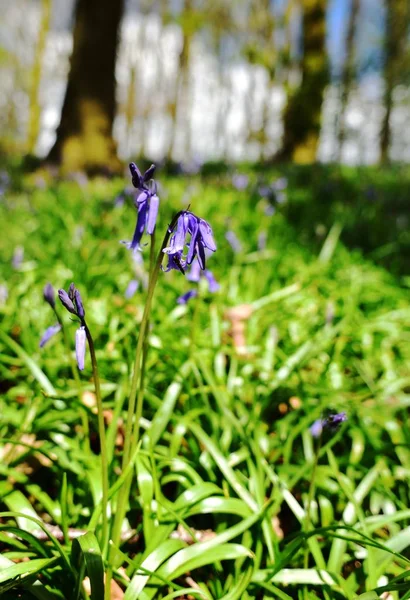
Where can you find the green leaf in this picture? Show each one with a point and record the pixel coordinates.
(86, 553)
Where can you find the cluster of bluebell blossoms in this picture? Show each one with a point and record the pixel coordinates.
(146, 201)
(73, 303)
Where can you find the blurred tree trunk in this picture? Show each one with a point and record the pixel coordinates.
(84, 136)
(397, 21)
(303, 112)
(35, 109)
(348, 70)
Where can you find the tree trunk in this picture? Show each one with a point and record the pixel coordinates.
(347, 74)
(35, 109)
(303, 112)
(84, 136)
(397, 20)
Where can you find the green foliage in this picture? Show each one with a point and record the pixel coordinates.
(219, 507)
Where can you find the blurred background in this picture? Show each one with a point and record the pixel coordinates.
(87, 84)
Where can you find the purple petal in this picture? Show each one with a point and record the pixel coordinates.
(200, 253)
(140, 197)
(80, 339)
(137, 180)
(212, 282)
(317, 428)
(207, 235)
(79, 304)
(175, 261)
(66, 301)
(149, 173)
(48, 334)
(152, 214)
(187, 296)
(193, 244)
(139, 227)
(195, 272)
(177, 241)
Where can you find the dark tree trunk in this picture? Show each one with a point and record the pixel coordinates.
(397, 21)
(348, 69)
(84, 136)
(303, 112)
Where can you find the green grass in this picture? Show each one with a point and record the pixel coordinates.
(226, 453)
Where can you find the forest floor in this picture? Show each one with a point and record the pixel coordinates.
(233, 497)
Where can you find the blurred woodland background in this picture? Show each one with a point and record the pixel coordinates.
(87, 84)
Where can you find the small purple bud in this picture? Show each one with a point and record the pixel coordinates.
(49, 295)
(137, 180)
(149, 173)
(66, 301)
(48, 334)
(79, 304)
(71, 291)
(80, 339)
(187, 296)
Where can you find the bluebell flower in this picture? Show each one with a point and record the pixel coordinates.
(18, 257)
(181, 252)
(80, 343)
(213, 285)
(234, 241)
(187, 296)
(48, 334)
(132, 287)
(49, 295)
(72, 301)
(240, 181)
(146, 201)
(331, 422)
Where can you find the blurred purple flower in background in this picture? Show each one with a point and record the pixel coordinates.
(240, 181)
(18, 257)
(331, 423)
(49, 333)
(233, 241)
(187, 296)
(132, 287)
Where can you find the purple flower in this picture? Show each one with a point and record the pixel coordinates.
(49, 295)
(146, 201)
(213, 285)
(18, 257)
(131, 288)
(332, 422)
(201, 239)
(80, 339)
(240, 181)
(187, 296)
(72, 301)
(234, 241)
(48, 334)
(66, 301)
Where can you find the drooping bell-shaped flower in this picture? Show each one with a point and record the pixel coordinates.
(49, 333)
(80, 344)
(146, 202)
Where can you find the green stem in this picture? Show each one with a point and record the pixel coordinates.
(307, 523)
(103, 446)
(74, 370)
(135, 405)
